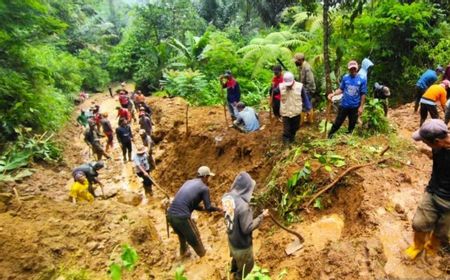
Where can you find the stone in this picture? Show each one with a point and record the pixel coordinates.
(5, 197)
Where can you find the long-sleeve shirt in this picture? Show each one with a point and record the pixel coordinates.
(189, 197)
(233, 90)
(428, 78)
(307, 78)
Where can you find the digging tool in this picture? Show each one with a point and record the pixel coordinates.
(224, 101)
(327, 116)
(168, 199)
(282, 64)
(294, 246)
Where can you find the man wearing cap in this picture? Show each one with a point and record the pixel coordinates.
(143, 168)
(354, 90)
(187, 199)
(431, 223)
(307, 79)
(275, 96)
(247, 119)
(90, 171)
(233, 92)
(428, 78)
(293, 101)
(434, 94)
(240, 224)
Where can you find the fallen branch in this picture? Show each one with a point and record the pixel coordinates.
(348, 170)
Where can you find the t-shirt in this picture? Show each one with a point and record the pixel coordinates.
(189, 197)
(440, 177)
(427, 79)
(141, 160)
(434, 94)
(123, 99)
(83, 120)
(353, 87)
(124, 134)
(248, 117)
(79, 191)
(106, 125)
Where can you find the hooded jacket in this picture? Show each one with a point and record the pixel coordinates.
(365, 65)
(238, 215)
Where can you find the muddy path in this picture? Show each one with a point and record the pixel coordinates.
(361, 235)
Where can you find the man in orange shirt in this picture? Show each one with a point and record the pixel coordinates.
(429, 99)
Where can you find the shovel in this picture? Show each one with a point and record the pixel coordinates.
(294, 246)
(168, 199)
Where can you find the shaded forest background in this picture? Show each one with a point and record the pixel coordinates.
(51, 49)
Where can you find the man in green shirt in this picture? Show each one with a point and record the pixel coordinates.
(83, 119)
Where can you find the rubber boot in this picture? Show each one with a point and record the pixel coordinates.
(417, 246)
(432, 245)
(303, 117)
(310, 116)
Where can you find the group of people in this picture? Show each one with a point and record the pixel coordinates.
(238, 218)
(94, 121)
(428, 93)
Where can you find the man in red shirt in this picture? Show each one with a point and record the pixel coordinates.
(123, 113)
(275, 90)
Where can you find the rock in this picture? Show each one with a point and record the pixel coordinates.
(3, 207)
(399, 209)
(129, 198)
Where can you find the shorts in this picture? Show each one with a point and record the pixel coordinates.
(433, 214)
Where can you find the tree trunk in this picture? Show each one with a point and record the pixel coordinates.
(326, 57)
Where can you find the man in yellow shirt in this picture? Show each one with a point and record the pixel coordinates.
(429, 99)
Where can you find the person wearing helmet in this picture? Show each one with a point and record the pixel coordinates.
(353, 89)
(188, 199)
(90, 171)
(434, 94)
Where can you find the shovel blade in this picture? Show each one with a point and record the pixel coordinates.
(293, 247)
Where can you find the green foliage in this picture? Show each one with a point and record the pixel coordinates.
(373, 118)
(190, 85)
(179, 273)
(258, 273)
(329, 159)
(298, 188)
(129, 258)
(28, 147)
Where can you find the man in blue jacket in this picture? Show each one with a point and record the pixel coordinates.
(185, 202)
(240, 224)
(233, 92)
(428, 78)
(354, 90)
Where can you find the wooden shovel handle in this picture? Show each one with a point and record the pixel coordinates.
(287, 229)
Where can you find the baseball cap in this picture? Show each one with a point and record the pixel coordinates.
(430, 130)
(204, 171)
(98, 165)
(352, 64)
(240, 105)
(227, 73)
(439, 69)
(288, 78)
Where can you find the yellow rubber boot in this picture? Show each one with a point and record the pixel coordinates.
(432, 245)
(303, 117)
(417, 246)
(311, 116)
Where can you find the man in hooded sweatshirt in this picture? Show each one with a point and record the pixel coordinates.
(240, 224)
